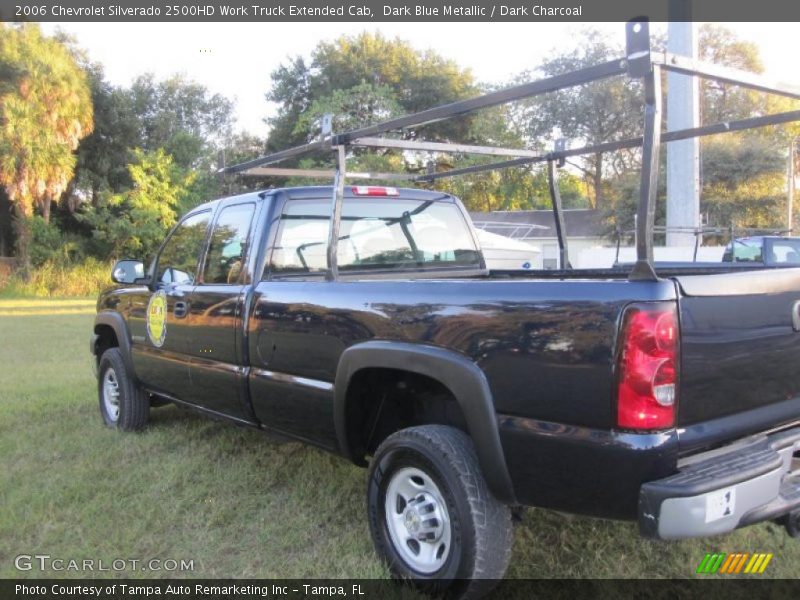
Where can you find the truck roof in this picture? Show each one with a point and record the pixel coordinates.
(316, 191)
(757, 238)
(321, 191)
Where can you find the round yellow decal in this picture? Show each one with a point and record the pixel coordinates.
(157, 318)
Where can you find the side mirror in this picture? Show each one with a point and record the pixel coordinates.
(128, 271)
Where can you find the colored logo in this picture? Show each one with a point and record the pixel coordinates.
(157, 318)
(735, 563)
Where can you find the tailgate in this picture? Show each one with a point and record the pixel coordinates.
(740, 348)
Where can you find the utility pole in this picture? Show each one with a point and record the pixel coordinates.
(790, 186)
(683, 157)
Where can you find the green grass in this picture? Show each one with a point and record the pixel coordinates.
(233, 500)
(56, 280)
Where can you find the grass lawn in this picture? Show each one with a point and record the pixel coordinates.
(235, 502)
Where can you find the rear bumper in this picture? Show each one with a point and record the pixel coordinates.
(754, 480)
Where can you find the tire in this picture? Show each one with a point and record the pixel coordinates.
(123, 404)
(467, 544)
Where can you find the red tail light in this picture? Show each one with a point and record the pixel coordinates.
(647, 383)
(374, 190)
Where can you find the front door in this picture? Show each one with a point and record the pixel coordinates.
(160, 352)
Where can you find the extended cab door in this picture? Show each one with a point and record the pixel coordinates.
(217, 371)
(160, 340)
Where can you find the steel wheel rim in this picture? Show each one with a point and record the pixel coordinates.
(417, 520)
(111, 394)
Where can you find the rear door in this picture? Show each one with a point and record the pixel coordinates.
(218, 377)
(740, 348)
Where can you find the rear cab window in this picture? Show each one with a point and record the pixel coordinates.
(375, 235)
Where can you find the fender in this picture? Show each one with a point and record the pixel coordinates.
(117, 323)
(461, 376)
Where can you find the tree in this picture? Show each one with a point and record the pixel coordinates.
(366, 79)
(133, 222)
(743, 184)
(744, 181)
(103, 155)
(182, 117)
(404, 79)
(723, 101)
(612, 109)
(45, 110)
(359, 106)
(514, 189)
(601, 111)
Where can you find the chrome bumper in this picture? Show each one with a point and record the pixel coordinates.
(755, 480)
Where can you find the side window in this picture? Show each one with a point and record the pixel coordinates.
(301, 241)
(177, 262)
(228, 247)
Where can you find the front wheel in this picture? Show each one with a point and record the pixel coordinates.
(432, 517)
(123, 404)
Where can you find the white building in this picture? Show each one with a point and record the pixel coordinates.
(584, 230)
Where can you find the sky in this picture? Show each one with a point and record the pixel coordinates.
(236, 59)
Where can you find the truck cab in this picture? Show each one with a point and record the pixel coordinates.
(771, 251)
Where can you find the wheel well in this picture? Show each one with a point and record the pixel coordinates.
(381, 401)
(106, 338)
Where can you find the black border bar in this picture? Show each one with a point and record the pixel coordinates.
(413, 11)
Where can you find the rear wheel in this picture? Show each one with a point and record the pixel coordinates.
(431, 515)
(123, 404)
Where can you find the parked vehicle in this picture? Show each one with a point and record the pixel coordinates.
(767, 250)
(505, 253)
(363, 320)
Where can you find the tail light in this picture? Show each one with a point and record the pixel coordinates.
(374, 190)
(647, 382)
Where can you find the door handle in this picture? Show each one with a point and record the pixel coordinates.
(180, 309)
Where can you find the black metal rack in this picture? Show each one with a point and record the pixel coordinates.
(640, 62)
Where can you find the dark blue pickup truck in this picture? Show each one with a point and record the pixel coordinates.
(675, 402)
(363, 320)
